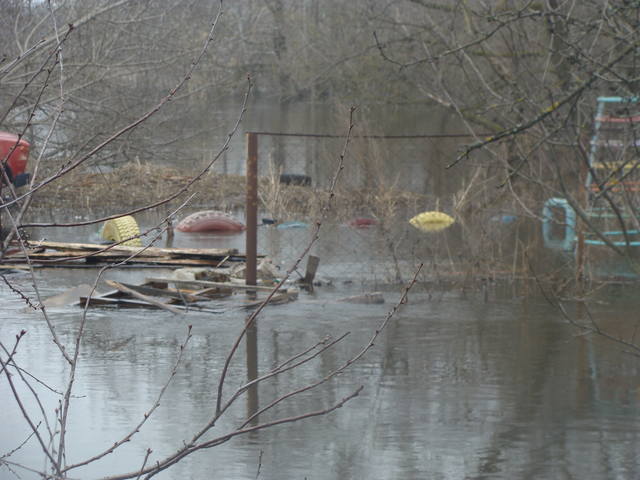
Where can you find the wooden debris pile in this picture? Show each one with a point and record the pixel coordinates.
(210, 275)
(179, 296)
(62, 254)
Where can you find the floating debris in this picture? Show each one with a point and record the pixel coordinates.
(122, 228)
(210, 221)
(362, 222)
(156, 294)
(62, 254)
(294, 224)
(365, 298)
(431, 221)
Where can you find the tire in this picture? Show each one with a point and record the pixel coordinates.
(117, 229)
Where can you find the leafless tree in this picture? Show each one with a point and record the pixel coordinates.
(50, 103)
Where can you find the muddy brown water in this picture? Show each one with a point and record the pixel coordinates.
(460, 385)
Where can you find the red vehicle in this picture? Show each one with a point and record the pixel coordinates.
(14, 155)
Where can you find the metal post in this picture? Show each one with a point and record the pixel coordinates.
(252, 209)
(251, 265)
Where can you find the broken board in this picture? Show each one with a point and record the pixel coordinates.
(45, 253)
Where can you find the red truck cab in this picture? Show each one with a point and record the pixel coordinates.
(14, 154)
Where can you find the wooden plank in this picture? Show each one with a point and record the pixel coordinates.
(76, 253)
(109, 254)
(124, 303)
(215, 292)
(164, 292)
(204, 293)
(144, 298)
(76, 265)
(223, 261)
(114, 302)
(112, 294)
(55, 254)
(101, 259)
(206, 283)
(148, 252)
(189, 262)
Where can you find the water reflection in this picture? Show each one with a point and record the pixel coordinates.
(252, 371)
(469, 384)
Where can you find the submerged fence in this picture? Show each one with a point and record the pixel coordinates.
(385, 180)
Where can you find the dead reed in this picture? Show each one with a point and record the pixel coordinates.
(137, 185)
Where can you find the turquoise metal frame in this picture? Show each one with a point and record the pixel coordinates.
(567, 243)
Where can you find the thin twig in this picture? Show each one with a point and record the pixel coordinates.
(145, 417)
(144, 462)
(172, 93)
(23, 410)
(314, 239)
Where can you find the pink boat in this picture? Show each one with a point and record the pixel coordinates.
(210, 221)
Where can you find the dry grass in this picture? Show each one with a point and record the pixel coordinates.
(482, 250)
(137, 185)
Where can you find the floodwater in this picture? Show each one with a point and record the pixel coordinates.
(461, 384)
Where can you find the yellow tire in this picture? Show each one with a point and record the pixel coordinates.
(118, 229)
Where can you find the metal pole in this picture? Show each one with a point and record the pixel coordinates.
(251, 270)
(252, 209)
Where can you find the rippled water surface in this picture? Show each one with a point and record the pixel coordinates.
(457, 386)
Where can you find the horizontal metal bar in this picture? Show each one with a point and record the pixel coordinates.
(619, 99)
(323, 135)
